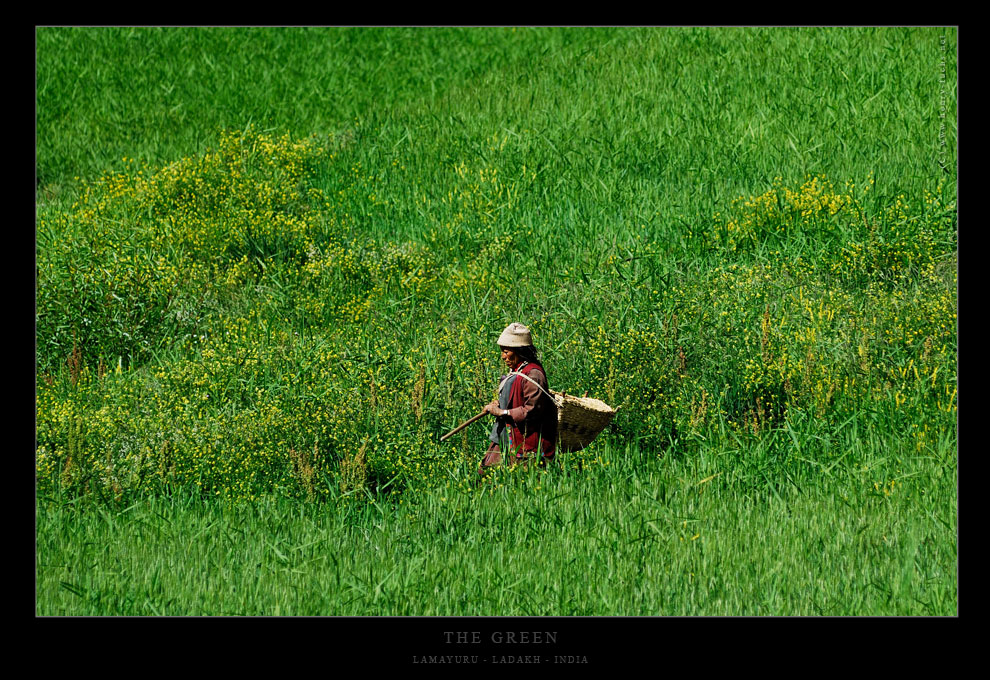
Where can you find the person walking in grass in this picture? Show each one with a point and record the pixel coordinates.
(525, 413)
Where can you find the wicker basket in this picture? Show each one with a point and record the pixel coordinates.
(579, 420)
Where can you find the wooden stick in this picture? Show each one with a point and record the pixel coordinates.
(463, 425)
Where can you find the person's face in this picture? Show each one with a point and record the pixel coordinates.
(510, 358)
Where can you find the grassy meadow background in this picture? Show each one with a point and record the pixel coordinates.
(272, 265)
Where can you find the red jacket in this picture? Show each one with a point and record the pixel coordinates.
(533, 413)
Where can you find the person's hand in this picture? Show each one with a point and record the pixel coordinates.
(493, 408)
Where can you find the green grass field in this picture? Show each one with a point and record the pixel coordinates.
(273, 263)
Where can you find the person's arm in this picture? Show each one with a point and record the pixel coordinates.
(496, 410)
(531, 405)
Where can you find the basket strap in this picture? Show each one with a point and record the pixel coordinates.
(535, 383)
(511, 373)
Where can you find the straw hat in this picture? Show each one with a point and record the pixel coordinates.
(515, 335)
